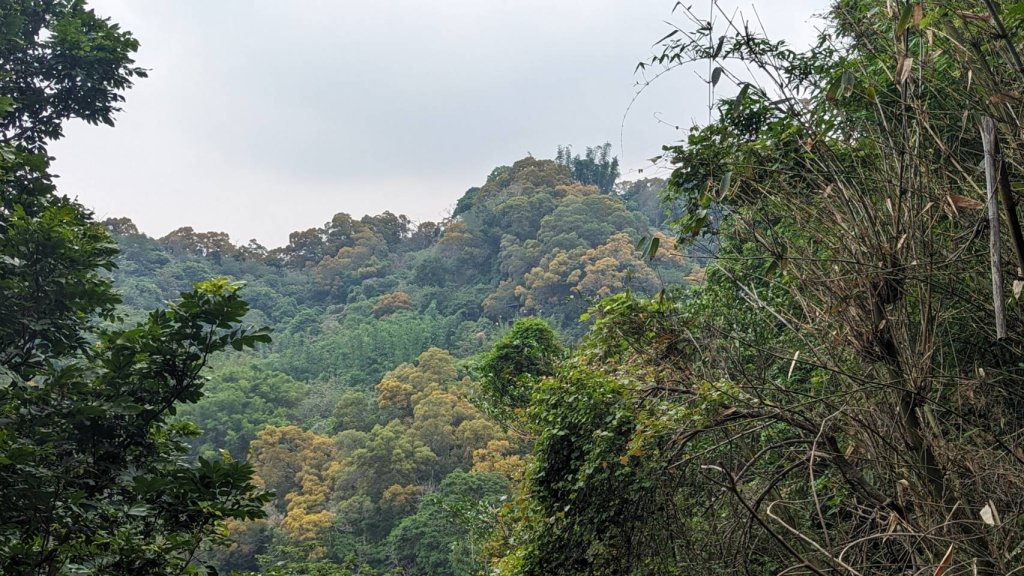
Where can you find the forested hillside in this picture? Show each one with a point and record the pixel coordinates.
(364, 416)
(799, 354)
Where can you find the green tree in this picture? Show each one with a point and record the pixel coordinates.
(523, 356)
(589, 220)
(444, 537)
(596, 168)
(59, 61)
(186, 241)
(91, 461)
(238, 401)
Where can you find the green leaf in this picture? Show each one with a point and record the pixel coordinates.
(667, 36)
(904, 21)
(718, 48)
(140, 510)
(716, 75)
(653, 250)
(737, 104)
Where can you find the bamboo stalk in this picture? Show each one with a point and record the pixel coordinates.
(997, 23)
(991, 144)
(1012, 219)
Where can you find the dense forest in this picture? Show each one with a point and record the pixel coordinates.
(801, 353)
(365, 415)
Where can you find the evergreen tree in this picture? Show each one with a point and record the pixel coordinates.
(91, 470)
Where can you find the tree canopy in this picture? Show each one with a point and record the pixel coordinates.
(91, 468)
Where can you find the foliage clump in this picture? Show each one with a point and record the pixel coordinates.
(520, 359)
(836, 397)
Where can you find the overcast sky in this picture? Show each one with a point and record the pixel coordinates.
(261, 117)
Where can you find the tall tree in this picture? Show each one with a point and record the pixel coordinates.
(91, 463)
(596, 168)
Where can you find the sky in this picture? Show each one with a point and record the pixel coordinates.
(263, 117)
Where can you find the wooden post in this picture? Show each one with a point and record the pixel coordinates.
(991, 145)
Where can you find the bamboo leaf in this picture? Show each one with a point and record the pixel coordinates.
(737, 104)
(667, 36)
(792, 365)
(1004, 98)
(847, 82)
(653, 250)
(917, 14)
(903, 69)
(718, 48)
(904, 21)
(946, 562)
(716, 75)
(989, 515)
(985, 17)
(959, 201)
